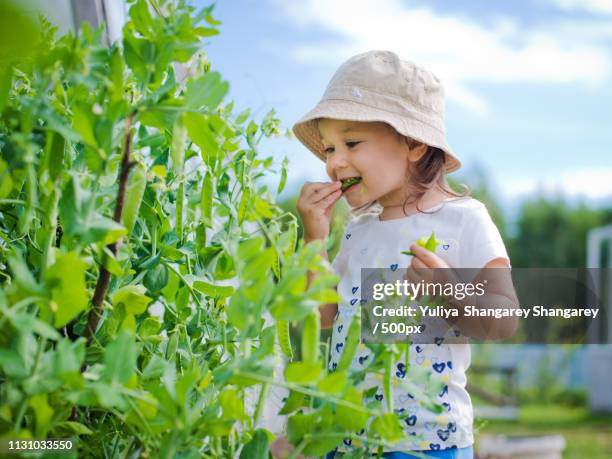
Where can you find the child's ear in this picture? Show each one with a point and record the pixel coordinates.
(416, 149)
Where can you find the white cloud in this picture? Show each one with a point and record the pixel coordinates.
(592, 183)
(459, 50)
(591, 6)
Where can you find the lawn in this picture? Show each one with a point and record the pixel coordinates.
(587, 436)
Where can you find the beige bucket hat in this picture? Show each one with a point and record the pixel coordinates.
(379, 86)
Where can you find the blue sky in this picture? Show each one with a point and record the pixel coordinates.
(528, 83)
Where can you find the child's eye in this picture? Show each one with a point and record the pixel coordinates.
(330, 150)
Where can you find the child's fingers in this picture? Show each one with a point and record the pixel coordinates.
(317, 189)
(330, 199)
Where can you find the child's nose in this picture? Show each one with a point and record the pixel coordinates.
(338, 160)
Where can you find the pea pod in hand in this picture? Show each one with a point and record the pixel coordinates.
(429, 244)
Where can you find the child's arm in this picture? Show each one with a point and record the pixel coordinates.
(315, 207)
(499, 292)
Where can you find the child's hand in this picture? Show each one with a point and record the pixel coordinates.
(422, 265)
(314, 206)
(281, 449)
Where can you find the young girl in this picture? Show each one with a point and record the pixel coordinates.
(380, 123)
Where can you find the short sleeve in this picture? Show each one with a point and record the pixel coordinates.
(481, 241)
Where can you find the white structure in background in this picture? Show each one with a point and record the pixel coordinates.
(68, 14)
(600, 369)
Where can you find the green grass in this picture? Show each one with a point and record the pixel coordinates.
(587, 436)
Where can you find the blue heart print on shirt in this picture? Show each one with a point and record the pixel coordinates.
(443, 434)
(444, 391)
(363, 358)
(340, 327)
(353, 301)
(434, 447)
(339, 346)
(411, 420)
(446, 406)
(438, 340)
(419, 349)
(393, 266)
(401, 370)
(348, 236)
(354, 289)
(452, 427)
(439, 367)
(378, 397)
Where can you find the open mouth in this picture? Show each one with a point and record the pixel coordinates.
(349, 182)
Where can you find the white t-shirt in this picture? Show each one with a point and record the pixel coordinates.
(470, 240)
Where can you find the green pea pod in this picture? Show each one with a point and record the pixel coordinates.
(180, 200)
(283, 180)
(244, 204)
(293, 238)
(177, 148)
(172, 345)
(427, 243)
(311, 336)
(276, 266)
(387, 380)
(206, 199)
(25, 219)
(133, 198)
(284, 340)
(350, 346)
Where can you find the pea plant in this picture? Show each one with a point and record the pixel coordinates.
(148, 278)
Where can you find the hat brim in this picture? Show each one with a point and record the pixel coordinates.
(307, 132)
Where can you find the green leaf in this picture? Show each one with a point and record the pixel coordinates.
(71, 427)
(231, 404)
(28, 322)
(43, 413)
(387, 426)
(222, 291)
(133, 298)
(156, 278)
(333, 383)
(303, 373)
(242, 116)
(149, 327)
(200, 131)
(22, 276)
(209, 91)
(351, 419)
(82, 122)
(294, 401)
(65, 280)
(257, 448)
(120, 359)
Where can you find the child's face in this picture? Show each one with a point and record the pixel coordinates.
(372, 151)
